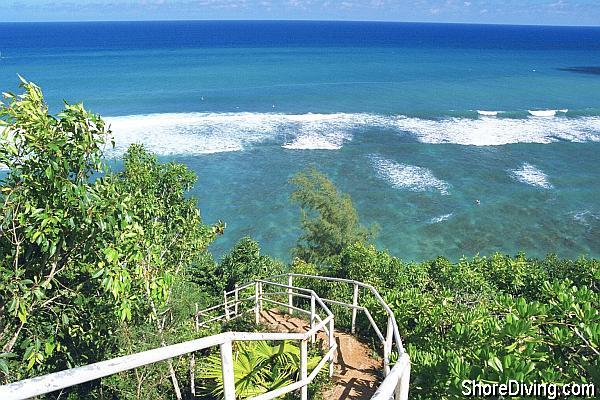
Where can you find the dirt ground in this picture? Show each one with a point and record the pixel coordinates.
(356, 373)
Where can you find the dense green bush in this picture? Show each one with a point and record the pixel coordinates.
(490, 319)
(244, 263)
(90, 260)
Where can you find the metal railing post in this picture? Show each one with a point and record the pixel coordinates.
(355, 304)
(225, 305)
(227, 370)
(260, 296)
(193, 360)
(387, 347)
(256, 306)
(312, 315)
(236, 298)
(304, 369)
(398, 390)
(290, 295)
(402, 391)
(331, 344)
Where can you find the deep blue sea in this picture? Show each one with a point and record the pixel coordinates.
(415, 121)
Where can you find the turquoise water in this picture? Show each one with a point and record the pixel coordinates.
(388, 111)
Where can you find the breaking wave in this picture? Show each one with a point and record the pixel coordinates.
(192, 133)
(489, 131)
(547, 113)
(404, 176)
(202, 133)
(531, 175)
(487, 113)
(441, 218)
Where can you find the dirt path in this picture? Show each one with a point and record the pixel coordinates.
(356, 374)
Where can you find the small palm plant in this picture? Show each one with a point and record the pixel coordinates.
(258, 367)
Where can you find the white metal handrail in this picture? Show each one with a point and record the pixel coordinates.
(397, 379)
(49, 383)
(394, 385)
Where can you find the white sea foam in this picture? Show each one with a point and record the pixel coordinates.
(411, 177)
(586, 218)
(201, 133)
(500, 131)
(487, 113)
(441, 218)
(531, 175)
(316, 142)
(321, 131)
(543, 113)
(193, 133)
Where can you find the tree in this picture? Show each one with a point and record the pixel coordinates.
(54, 221)
(329, 220)
(171, 237)
(244, 263)
(84, 252)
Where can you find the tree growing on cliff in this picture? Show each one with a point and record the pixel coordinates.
(83, 250)
(328, 218)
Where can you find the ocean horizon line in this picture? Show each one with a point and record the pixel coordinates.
(301, 20)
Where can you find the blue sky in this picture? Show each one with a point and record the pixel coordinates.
(550, 12)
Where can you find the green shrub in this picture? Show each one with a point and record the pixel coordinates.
(329, 220)
(490, 318)
(258, 367)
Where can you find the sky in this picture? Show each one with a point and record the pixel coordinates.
(536, 12)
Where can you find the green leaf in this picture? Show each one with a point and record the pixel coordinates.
(98, 273)
(31, 363)
(496, 364)
(4, 367)
(49, 348)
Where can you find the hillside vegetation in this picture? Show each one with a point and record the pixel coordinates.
(96, 263)
(490, 319)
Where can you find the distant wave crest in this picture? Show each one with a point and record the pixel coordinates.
(404, 176)
(547, 113)
(532, 175)
(203, 133)
(487, 113)
(440, 218)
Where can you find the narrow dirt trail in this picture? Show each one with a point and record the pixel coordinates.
(356, 373)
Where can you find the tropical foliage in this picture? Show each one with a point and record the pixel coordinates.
(328, 218)
(258, 367)
(490, 319)
(86, 254)
(244, 263)
(55, 222)
(96, 263)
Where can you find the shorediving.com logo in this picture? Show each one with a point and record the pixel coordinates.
(514, 388)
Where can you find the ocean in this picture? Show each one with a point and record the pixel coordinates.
(415, 121)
